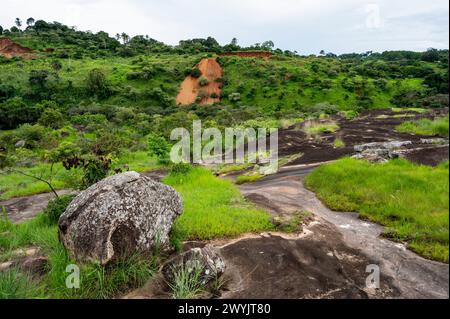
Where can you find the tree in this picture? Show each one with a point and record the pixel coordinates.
(234, 42)
(30, 22)
(322, 52)
(159, 147)
(268, 45)
(432, 55)
(97, 84)
(18, 23)
(14, 112)
(1, 30)
(52, 118)
(125, 38)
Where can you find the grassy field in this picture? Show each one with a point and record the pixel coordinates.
(213, 208)
(15, 184)
(96, 282)
(438, 126)
(411, 200)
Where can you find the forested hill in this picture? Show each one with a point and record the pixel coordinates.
(86, 78)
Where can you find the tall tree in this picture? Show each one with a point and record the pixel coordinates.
(18, 22)
(125, 38)
(30, 21)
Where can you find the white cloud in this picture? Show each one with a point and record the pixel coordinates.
(304, 25)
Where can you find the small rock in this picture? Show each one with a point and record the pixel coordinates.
(36, 265)
(376, 155)
(382, 145)
(434, 141)
(207, 259)
(20, 144)
(5, 266)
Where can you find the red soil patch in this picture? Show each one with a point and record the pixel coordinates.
(191, 89)
(10, 49)
(249, 54)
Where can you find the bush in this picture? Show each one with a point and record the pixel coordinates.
(159, 147)
(180, 169)
(196, 73)
(97, 84)
(56, 208)
(203, 82)
(52, 118)
(15, 112)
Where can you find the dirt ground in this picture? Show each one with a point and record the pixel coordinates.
(9, 49)
(190, 87)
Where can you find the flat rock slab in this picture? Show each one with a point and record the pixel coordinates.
(318, 265)
(21, 209)
(414, 276)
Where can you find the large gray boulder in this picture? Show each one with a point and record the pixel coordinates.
(121, 215)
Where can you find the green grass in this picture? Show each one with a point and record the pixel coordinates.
(338, 143)
(438, 126)
(15, 184)
(187, 283)
(411, 109)
(411, 200)
(213, 208)
(248, 178)
(314, 128)
(17, 285)
(234, 168)
(96, 282)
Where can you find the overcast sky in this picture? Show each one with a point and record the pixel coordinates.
(307, 26)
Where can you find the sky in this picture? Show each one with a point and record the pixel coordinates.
(305, 26)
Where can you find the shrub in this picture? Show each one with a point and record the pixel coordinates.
(97, 84)
(180, 169)
(196, 73)
(15, 112)
(203, 82)
(159, 147)
(234, 97)
(52, 118)
(56, 208)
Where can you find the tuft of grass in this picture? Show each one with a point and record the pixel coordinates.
(317, 128)
(411, 200)
(438, 126)
(338, 143)
(243, 179)
(234, 168)
(187, 283)
(291, 224)
(213, 208)
(17, 285)
(412, 109)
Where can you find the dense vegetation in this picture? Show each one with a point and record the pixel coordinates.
(411, 200)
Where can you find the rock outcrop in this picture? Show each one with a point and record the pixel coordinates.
(205, 260)
(119, 216)
(379, 152)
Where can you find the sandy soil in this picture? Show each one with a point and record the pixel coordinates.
(190, 87)
(9, 49)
